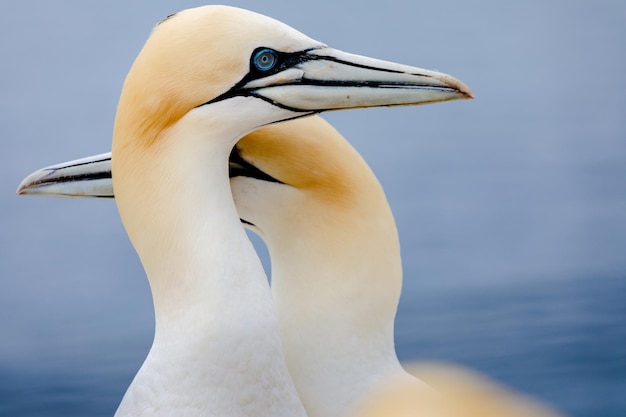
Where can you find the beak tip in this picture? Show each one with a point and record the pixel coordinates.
(463, 89)
(467, 92)
(22, 188)
(30, 183)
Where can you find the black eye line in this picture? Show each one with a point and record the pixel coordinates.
(246, 222)
(239, 167)
(284, 60)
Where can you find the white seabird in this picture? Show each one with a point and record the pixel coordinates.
(205, 78)
(335, 256)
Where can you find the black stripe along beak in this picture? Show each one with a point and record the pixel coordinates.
(85, 177)
(91, 177)
(323, 79)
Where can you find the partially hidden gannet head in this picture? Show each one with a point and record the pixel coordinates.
(277, 172)
(303, 174)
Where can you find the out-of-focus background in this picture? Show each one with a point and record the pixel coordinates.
(511, 207)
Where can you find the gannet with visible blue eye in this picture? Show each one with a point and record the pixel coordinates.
(206, 77)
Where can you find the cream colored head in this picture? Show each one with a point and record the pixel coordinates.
(191, 58)
(167, 140)
(325, 219)
(315, 177)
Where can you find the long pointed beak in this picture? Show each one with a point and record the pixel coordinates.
(91, 177)
(328, 79)
(85, 177)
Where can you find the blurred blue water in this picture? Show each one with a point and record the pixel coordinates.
(511, 208)
(560, 341)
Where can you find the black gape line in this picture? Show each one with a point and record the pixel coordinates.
(239, 167)
(247, 222)
(98, 175)
(92, 176)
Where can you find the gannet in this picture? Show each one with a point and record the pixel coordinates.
(335, 257)
(336, 281)
(205, 78)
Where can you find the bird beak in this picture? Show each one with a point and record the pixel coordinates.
(91, 177)
(327, 79)
(85, 177)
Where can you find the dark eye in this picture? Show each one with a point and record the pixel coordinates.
(265, 59)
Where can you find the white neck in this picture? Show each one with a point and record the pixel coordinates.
(336, 348)
(216, 350)
(336, 295)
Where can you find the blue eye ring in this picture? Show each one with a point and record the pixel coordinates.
(265, 59)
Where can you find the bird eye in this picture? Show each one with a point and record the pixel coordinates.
(265, 59)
